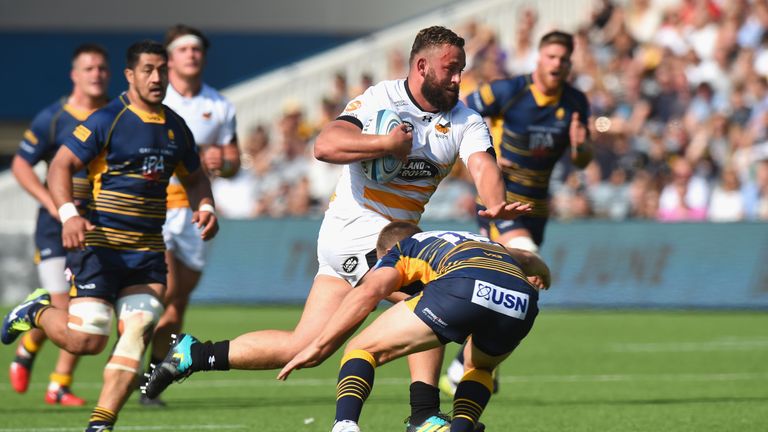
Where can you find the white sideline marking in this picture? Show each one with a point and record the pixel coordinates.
(321, 382)
(131, 428)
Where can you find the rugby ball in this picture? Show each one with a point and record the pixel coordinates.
(384, 169)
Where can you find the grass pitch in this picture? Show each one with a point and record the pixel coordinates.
(576, 371)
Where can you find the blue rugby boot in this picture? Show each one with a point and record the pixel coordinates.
(22, 317)
(436, 423)
(176, 365)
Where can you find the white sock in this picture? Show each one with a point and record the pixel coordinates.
(455, 371)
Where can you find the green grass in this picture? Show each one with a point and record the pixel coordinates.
(576, 371)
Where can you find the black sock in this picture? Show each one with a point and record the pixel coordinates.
(425, 402)
(208, 356)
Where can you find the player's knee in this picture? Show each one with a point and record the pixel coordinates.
(86, 344)
(524, 243)
(90, 323)
(137, 316)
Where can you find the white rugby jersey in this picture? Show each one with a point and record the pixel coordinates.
(210, 117)
(438, 138)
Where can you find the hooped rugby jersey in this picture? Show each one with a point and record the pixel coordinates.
(431, 255)
(210, 117)
(47, 132)
(131, 155)
(438, 139)
(535, 133)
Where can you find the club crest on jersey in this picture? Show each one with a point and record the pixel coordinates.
(560, 113)
(443, 128)
(207, 115)
(171, 135)
(349, 265)
(417, 169)
(502, 300)
(355, 104)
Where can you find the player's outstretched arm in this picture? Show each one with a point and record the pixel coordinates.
(355, 307)
(198, 189)
(341, 142)
(490, 186)
(581, 149)
(63, 166)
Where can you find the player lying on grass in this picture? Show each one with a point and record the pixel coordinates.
(465, 285)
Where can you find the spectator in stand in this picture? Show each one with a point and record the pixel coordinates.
(685, 196)
(727, 201)
(756, 193)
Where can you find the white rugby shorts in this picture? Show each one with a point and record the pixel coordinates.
(345, 244)
(182, 237)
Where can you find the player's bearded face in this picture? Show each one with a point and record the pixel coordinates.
(554, 66)
(442, 95)
(149, 78)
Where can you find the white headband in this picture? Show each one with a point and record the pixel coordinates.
(187, 39)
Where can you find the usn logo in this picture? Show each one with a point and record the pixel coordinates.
(501, 300)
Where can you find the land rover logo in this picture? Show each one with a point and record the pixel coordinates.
(417, 169)
(349, 265)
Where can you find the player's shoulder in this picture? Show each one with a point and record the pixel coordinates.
(461, 114)
(511, 85)
(107, 114)
(571, 93)
(50, 111)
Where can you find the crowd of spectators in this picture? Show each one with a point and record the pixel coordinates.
(679, 97)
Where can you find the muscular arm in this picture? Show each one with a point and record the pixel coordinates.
(27, 178)
(355, 307)
(487, 177)
(532, 265)
(341, 142)
(230, 154)
(64, 165)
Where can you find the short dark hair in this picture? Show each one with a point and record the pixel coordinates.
(179, 30)
(394, 232)
(146, 46)
(559, 38)
(432, 37)
(90, 48)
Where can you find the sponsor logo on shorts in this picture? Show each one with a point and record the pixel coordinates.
(434, 318)
(46, 252)
(349, 265)
(501, 300)
(88, 286)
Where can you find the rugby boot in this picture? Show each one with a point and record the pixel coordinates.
(440, 422)
(175, 366)
(19, 372)
(63, 396)
(22, 317)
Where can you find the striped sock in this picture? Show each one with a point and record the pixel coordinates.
(59, 380)
(101, 417)
(472, 395)
(355, 384)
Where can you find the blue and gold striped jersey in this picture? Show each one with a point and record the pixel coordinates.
(48, 130)
(433, 255)
(534, 133)
(131, 154)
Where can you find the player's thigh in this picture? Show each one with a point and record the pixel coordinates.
(324, 298)
(395, 333)
(477, 359)
(89, 324)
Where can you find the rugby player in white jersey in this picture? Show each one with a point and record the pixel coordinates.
(437, 130)
(211, 118)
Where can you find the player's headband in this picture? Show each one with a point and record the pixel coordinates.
(187, 39)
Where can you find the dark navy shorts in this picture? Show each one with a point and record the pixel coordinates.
(48, 237)
(102, 273)
(498, 318)
(492, 228)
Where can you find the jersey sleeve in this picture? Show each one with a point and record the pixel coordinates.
(361, 108)
(475, 137)
(88, 139)
(36, 142)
